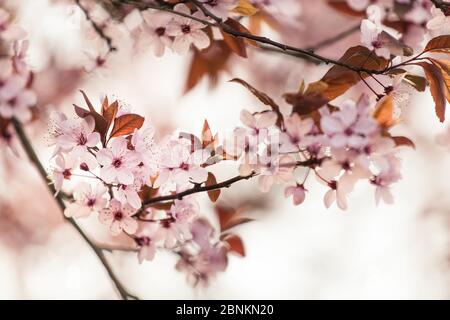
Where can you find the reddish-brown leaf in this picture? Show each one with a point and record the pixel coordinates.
(235, 244)
(229, 218)
(264, 98)
(418, 82)
(444, 66)
(340, 79)
(403, 141)
(384, 112)
(236, 44)
(437, 87)
(101, 125)
(207, 136)
(438, 44)
(208, 63)
(213, 194)
(126, 124)
(109, 112)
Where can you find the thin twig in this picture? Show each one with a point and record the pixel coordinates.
(59, 199)
(98, 29)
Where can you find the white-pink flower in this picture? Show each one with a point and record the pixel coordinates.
(128, 194)
(350, 126)
(187, 31)
(118, 218)
(439, 21)
(297, 192)
(79, 137)
(371, 32)
(63, 170)
(154, 31)
(15, 99)
(181, 166)
(88, 199)
(220, 8)
(117, 162)
(294, 138)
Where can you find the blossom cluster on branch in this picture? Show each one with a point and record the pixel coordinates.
(148, 189)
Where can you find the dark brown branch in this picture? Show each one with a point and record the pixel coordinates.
(59, 199)
(444, 6)
(98, 29)
(221, 185)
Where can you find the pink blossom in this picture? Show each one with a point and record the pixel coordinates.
(118, 218)
(439, 21)
(147, 241)
(187, 31)
(128, 194)
(117, 162)
(87, 199)
(371, 30)
(294, 138)
(298, 193)
(63, 171)
(78, 137)
(388, 173)
(350, 126)
(181, 166)
(15, 99)
(220, 8)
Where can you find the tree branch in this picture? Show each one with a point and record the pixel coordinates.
(276, 46)
(59, 199)
(221, 185)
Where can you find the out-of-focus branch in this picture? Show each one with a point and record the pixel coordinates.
(332, 40)
(98, 29)
(26, 144)
(444, 6)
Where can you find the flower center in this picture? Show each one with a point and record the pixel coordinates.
(185, 28)
(143, 241)
(118, 215)
(117, 162)
(82, 140)
(377, 44)
(160, 31)
(67, 174)
(184, 166)
(90, 202)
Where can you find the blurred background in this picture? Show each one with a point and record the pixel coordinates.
(306, 252)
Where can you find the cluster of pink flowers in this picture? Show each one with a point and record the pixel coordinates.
(113, 172)
(378, 29)
(162, 30)
(16, 97)
(346, 146)
(127, 177)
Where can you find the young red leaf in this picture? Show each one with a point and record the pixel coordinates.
(213, 194)
(101, 125)
(207, 136)
(437, 87)
(235, 244)
(110, 112)
(229, 218)
(403, 141)
(126, 124)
